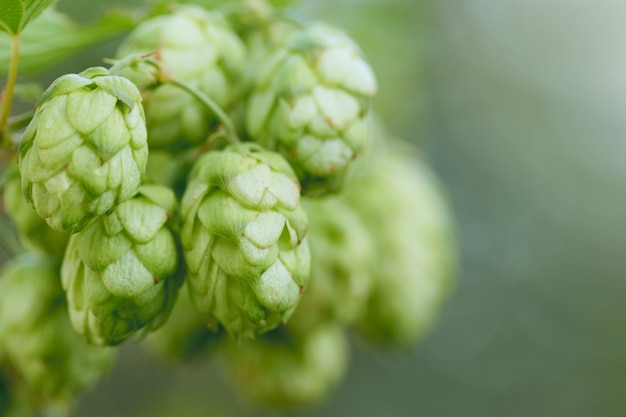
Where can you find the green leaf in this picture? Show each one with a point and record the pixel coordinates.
(53, 36)
(16, 14)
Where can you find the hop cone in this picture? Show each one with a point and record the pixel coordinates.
(85, 150)
(409, 220)
(244, 239)
(289, 372)
(33, 232)
(311, 102)
(38, 341)
(121, 274)
(341, 259)
(195, 46)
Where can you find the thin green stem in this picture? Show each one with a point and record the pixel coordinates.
(5, 110)
(208, 102)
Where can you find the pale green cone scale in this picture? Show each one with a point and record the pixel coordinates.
(85, 150)
(400, 201)
(33, 232)
(123, 272)
(199, 48)
(244, 237)
(310, 101)
(36, 337)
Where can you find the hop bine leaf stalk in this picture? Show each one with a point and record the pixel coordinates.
(85, 151)
(154, 74)
(6, 98)
(244, 238)
(203, 55)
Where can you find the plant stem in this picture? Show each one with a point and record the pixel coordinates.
(5, 110)
(228, 124)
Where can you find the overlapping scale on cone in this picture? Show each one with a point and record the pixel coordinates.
(122, 273)
(85, 150)
(195, 46)
(311, 103)
(244, 235)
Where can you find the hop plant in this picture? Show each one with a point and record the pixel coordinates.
(36, 337)
(407, 215)
(85, 150)
(195, 46)
(284, 371)
(244, 237)
(342, 254)
(33, 232)
(310, 102)
(122, 273)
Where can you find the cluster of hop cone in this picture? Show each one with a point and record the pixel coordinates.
(266, 221)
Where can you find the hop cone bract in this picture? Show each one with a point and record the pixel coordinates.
(36, 336)
(85, 150)
(121, 274)
(33, 232)
(405, 211)
(244, 238)
(197, 47)
(289, 372)
(311, 102)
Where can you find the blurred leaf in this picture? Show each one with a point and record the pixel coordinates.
(15, 14)
(28, 92)
(54, 36)
(210, 4)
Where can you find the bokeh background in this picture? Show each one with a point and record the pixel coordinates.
(519, 107)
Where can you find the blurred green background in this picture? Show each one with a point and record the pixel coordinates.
(518, 105)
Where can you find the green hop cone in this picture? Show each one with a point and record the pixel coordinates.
(244, 236)
(400, 201)
(311, 102)
(280, 370)
(122, 273)
(341, 258)
(199, 48)
(53, 362)
(85, 150)
(33, 232)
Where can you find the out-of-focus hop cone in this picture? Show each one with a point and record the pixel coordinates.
(122, 273)
(185, 335)
(342, 254)
(401, 202)
(311, 103)
(198, 47)
(32, 231)
(284, 370)
(244, 238)
(85, 150)
(46, 356)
